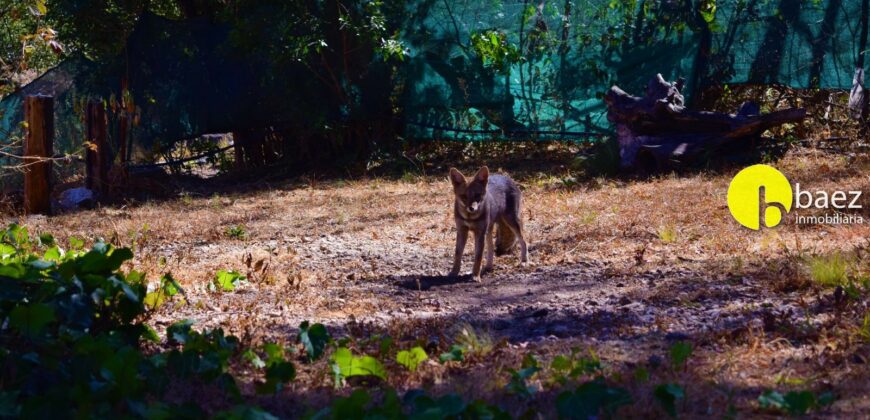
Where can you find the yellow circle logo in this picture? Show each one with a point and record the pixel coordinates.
(759, 192)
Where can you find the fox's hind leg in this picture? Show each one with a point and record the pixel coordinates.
(516, 226)
(505, 240)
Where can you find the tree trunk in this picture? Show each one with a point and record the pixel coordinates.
(38, 147)
(97, 153)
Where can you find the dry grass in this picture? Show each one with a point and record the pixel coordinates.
(618, 266)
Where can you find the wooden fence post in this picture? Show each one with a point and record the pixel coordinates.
(239, 150)
(123, 123)
(96, 156)
(38, 146)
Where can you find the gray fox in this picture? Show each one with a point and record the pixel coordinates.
(480, 205)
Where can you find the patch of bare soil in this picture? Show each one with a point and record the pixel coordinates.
(623, 267)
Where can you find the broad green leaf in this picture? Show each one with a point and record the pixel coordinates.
(708, 10)
(277, 374)
(170, 285)
(314, 338)
(76, 243)
(590, 400)
(412, 358)
(245, 412)
(38, 6)
(641, 374)
(53, 254)
(179, 332)
(228, 280)
(448, 406)
(45, 239)
(253, 359)
(518, 384)
(31, 320)
(41, 265)
(150, 335)
(667, 395)
(154, 300)
(680, 352)
(799, 403)
(9, 406)
(561, 364)
(103, 259)
(17, 235)
(795, 403)
(7, 250)
(456, 354)
(349, 365)
(349, 407)
(274, 353)
(13, 270)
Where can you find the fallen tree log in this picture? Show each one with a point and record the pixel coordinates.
(656, 131)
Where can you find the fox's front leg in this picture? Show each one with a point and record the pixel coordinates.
(479, 238)
(490, 249)
(461, 238)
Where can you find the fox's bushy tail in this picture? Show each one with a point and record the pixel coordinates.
(505, 240)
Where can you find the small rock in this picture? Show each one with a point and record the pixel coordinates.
(77, 198)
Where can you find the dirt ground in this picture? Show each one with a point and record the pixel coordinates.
(622, 266)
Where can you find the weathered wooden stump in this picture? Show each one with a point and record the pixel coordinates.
(38, 149)
(657, 131)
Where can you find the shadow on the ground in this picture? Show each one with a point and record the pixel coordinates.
(424, 283)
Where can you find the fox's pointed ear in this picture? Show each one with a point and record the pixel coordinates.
(456, 178)
(482, 175)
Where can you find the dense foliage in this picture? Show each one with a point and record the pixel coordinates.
(28, 44)
(76, 343)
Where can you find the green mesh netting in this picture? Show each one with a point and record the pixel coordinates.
(567, 54)
(571, 52)
(476, 69)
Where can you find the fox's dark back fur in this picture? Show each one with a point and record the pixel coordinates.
(501, 191)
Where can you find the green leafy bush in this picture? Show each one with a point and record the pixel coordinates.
(73, 347)
(456, 354)
(591, 399)
(236, 232)
(415, 404)
(795, 403)
(518, 384)
(574, 365)
(667, 395)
